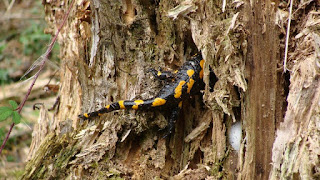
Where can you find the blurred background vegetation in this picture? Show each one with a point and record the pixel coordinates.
(22, 41)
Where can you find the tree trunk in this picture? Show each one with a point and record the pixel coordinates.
(107, 48)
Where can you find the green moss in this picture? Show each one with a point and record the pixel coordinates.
(116, 178)
(55, 151)
(40, 172)
(114, 174)
(94, 165)
(64, 157)
(217, 169)
(12, 174)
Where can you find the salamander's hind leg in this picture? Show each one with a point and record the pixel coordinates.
(161, 75)
(172, 118)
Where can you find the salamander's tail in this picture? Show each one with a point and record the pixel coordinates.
(136, 104)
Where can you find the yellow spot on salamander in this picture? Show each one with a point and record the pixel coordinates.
(158, 102)
(137, 103)
(176, 71)
(86, 115)
(159, 73)
(190, 72)
(201, 74)
(108, 106)
(190, 84)
(121, 105)
(178, 90)
(180, 104)
(201, 63)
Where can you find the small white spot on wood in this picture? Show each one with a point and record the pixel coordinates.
(235, 134)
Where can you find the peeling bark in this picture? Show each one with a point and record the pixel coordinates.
(107, 46)
(264, 96)
(296, 148)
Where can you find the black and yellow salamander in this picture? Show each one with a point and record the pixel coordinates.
(179, 86)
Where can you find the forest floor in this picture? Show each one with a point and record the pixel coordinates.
(22, 41)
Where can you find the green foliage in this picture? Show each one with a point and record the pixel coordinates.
(6, 112)
(20, 46)
(2, 134)
(2, 47)
(16, 117)
(33, 39)
(13, 104)
(10, 158)
(4, 76)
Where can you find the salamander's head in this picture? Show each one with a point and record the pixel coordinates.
(197, 57)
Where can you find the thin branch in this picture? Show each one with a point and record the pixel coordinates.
(287, 39)
(43, 61)
(9, 7)
(224, 3)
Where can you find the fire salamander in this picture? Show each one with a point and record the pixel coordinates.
(179, 86)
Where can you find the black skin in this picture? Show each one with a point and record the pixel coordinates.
(164, 75)
(179, 86)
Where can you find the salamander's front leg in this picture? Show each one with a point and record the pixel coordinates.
(161, 75)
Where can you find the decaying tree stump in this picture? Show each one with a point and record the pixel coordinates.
(106, 49)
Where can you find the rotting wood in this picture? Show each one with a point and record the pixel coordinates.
(111, 67)
(262, 97)
(297, 145)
